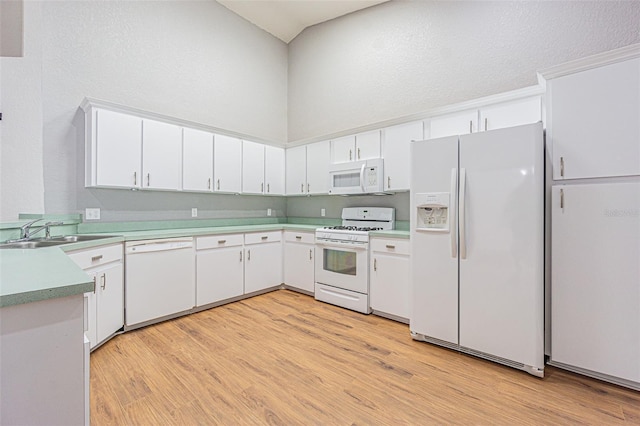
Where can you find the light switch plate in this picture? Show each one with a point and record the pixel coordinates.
(92, 214)
(268, 212)
(323, 212)
(194, 212)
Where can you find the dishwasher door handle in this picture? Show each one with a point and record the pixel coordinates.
(155, 247)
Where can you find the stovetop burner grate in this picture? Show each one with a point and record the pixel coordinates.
(354, 228)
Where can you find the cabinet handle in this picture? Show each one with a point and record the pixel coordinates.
(562, 199)
(310, 254)
(103, 278)
(248, 254)
(375, 264)
(298, 237)
(218, 184)
(209, 184)
(240, 255)
(470, 126)
(264, 238)
(390, 246)
(562, 166)
(262, 187)
(308, 186)
(388, 182)
(135, 178)
(222, 241)
(302, 187)
(350, 155)
(96, 258)
(268, 188)
(486, 120)
(148, 179)
(358, 153)
(95, 284)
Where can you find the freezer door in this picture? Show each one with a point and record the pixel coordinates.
(502, 243)
(434, 262)
(596, 274)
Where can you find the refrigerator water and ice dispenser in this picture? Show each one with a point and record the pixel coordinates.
(432, 211)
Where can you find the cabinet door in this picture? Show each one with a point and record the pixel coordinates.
(318, 168)
(299, 266)
(595, 307)
(594, 128)
(459, 123)
(197, 160)
(219, 274)
(510, 114)
(263, 266)
(389, 290)
(118, 149)
(161, 155)
(252, 168)
(109, 300)
(367, 145)
(274, 170)
(296, 170)
(395, 151)
(343, 149)
(227, 164)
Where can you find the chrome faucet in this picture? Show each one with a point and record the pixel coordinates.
(26, 233)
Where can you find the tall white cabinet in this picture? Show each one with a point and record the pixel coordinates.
(197, 160)
(161, 155)
(227, 164)
(395, 151)
(594, 132)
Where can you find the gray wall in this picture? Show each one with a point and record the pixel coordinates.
(406, 57)
(311, 206)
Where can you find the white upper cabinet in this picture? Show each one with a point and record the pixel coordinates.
(362, 146)
(197, 160)
(459, 123)
(510, 114)
(161, 155)
(296, 170)
(252, 168)
(318, 158)
(274, 170)
(396, 154)
(594, 122)
(116, 144)
(227, 164)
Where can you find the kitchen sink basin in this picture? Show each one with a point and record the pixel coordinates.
(50, 242)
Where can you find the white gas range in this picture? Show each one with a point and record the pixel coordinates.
(342, 265)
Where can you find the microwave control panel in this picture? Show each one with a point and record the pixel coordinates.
(372, 176)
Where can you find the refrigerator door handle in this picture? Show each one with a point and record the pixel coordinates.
(452, 214)
(462, 225)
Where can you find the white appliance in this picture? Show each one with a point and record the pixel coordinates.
(357, 177)
(342, 265)
(477, 244)
(159, 279)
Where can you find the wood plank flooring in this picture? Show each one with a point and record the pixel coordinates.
(283, 358)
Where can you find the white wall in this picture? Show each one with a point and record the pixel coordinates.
(21, 177)
(194, 60)
(406, 57)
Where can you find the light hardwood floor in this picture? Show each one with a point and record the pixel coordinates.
(283, 358)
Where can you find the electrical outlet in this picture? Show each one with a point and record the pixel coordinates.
(194, 212)
(323, 212)
(268, 212)
(92, 214)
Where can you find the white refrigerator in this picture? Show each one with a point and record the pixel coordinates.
(477, 244)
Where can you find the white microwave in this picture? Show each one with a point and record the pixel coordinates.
(357, 177)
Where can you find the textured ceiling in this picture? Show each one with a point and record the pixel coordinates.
(285, 19)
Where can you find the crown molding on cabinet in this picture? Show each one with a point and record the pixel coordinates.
(424, 115)
(594, 61)
(89, 103)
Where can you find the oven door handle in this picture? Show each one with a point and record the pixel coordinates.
(342, 246)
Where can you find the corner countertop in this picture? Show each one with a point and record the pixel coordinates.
(31, 275)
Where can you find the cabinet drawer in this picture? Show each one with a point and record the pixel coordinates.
(300, 237)
(217, 241)
(263, 237)
(97, 256)
(390, 245)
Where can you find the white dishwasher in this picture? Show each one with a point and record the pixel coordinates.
(159, 279)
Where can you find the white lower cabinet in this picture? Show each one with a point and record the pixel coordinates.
(105, 306)
(389, 283)
(263, 261)
(299, 254)
(219, 268)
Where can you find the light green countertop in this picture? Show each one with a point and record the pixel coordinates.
(31, 275)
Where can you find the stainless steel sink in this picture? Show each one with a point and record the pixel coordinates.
(50, 242)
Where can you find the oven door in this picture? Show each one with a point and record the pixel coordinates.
(343, 265)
